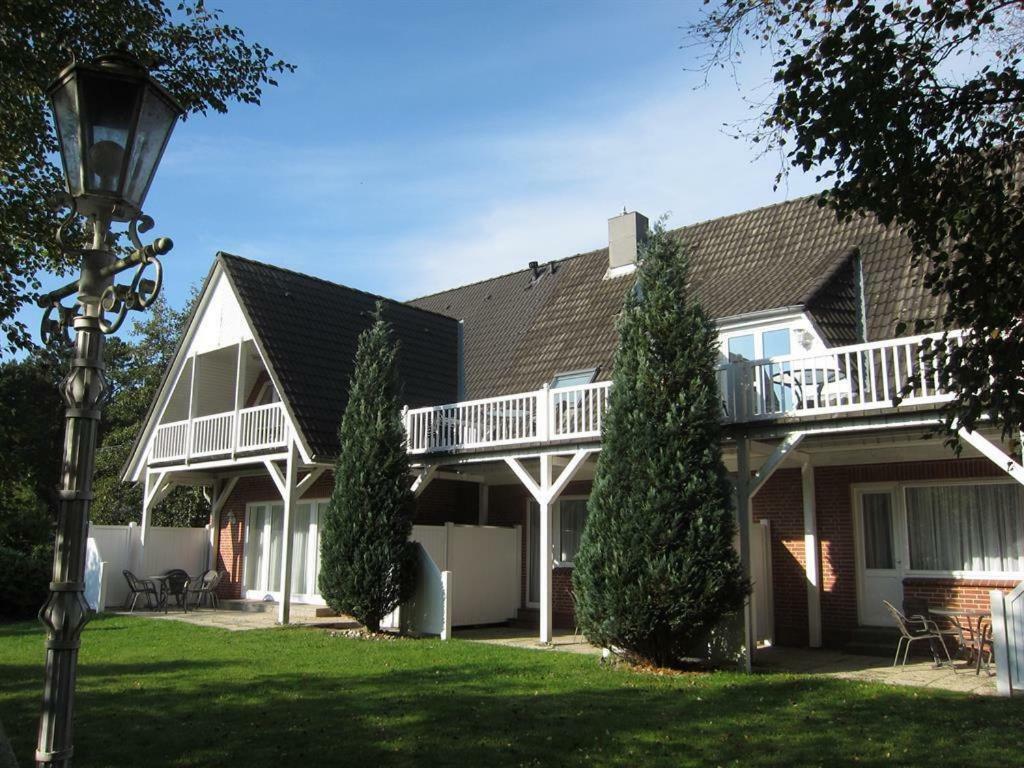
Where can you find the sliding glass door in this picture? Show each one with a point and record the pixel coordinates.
(264, 551)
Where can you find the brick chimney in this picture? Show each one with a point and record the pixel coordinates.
(625, 233)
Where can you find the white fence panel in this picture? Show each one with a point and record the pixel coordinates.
(167, 548)
(114, 546)
(424, 612)
(113, 549)
(485, 565)
(1008, 639)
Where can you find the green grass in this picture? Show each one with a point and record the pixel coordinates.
(163, 693)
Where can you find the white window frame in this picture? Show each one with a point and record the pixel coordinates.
(900, 512)
(311, 563)
(579, 372)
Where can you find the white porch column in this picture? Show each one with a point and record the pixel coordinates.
(743, 523)
(156, 486)
(290, 497)
(546, 563)
(811, 565)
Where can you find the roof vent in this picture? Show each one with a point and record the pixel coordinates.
(537, 269)
(625, 234)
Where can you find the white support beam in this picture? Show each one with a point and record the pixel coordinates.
(307, 482)
(423, 478)
(812, 567)
(277, 475)
(290, 497)
(524, 477)
(566, 475)
(743, 523)
(546, 555)
(993, 453)
(773, 462)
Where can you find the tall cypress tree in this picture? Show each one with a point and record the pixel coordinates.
(656, 569)
(365, 552)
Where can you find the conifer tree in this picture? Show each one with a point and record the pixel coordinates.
(657, 570)
(365, 552)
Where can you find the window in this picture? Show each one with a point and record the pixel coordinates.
(573, 378)
(977, 528)
(572, 515)
(569, 519)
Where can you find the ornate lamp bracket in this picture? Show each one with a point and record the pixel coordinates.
(116, 298)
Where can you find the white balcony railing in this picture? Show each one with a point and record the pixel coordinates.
(259, 428)
(840, 380)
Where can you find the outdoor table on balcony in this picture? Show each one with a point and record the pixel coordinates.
(822, 384)
(975, 618)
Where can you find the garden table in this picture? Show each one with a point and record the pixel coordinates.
(975, 620)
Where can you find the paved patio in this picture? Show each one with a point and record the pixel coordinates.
(922, 674)
(515, 637)
(241, 615)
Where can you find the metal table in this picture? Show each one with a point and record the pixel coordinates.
(975, 619)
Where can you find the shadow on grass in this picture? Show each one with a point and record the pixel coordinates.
(428, 704)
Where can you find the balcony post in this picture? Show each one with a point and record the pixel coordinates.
(290, 494)
(544, 414)
(239, 392)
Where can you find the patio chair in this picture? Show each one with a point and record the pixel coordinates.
(978, 642)
(175, 581)
(912, 630)
(138, 588)
(915, 608)
(203, 587)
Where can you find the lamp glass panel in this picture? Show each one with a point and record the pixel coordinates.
(156, 119)
(109, 112)
(66, 114)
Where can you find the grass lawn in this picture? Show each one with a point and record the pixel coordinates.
(163, 693)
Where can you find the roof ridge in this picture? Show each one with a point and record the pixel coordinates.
(224, 256)
(483, 280)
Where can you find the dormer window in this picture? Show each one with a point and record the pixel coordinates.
(574, 378)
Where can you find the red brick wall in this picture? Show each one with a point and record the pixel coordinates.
(448, 501)
(955, 593)
(780, 501)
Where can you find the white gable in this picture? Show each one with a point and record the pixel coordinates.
(220, 323)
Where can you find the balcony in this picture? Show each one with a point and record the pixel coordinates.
(261, 428)
(860, 377)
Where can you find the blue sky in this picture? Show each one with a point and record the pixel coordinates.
(423, 145)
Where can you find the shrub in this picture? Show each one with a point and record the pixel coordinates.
(25, 582)
(366, 557)
(657, 570)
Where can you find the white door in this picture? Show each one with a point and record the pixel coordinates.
(879, 556)
(263, 552)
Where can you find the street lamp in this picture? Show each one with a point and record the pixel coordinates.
(113, 121)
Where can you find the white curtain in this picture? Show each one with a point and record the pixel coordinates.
(276, 534)
(254, 549)
(300, 549)
(878, 551)
(966, 528)
(573, 515)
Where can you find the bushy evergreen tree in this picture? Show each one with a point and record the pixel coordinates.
(365, 552)
(657, 570)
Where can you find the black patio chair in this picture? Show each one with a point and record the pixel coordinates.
(138, 588)
(175, 582)
(202, 588)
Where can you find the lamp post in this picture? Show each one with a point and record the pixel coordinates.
(113, 121)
